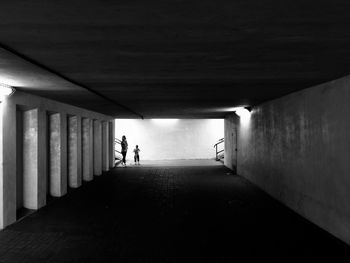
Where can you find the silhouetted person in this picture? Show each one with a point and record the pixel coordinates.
(124, 145)
(137, 156)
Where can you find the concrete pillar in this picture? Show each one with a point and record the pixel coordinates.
(57, 154)
(87, 149)
(105, 146)
(230, 144)
(19, 158)
(34, 159)
(111, 144)
(97, 147)
(1, 170)
(8, 164)
(74, 151)
(42, 153)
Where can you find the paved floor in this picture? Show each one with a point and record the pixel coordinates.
(174, 213)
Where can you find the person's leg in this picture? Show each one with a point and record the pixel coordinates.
(124, 154)
(135, 159)
(138, 159)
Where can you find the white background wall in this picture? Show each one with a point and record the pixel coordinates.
(171, 139)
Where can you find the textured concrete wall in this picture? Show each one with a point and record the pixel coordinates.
(297, 148)
(230, 130)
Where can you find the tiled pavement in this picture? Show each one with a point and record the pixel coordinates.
(174, 213)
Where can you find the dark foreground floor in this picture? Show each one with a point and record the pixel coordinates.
(168, 214)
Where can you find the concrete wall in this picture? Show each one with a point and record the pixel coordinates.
(297, 149)
(33, 151)
(230, 146)
(171, 139)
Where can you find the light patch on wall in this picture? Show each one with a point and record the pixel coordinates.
(11, 81)
(5, 91)
(165, 121)
(1, 168)
(230, 109)
(244, 115)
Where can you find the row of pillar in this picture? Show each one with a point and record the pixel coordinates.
(77, 149)
(45, 148)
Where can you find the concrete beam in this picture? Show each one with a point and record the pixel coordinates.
(58, 154)
(74, 151)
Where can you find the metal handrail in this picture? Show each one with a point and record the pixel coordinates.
(219, 141)
(117, 141)
(217, 153)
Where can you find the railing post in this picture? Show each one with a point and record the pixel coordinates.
(216, 149)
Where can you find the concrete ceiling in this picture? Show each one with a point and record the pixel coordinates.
(192, 59)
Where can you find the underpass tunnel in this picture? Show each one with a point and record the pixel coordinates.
(239, 109)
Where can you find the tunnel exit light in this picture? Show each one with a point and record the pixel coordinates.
(165, 121)
(5, 91)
